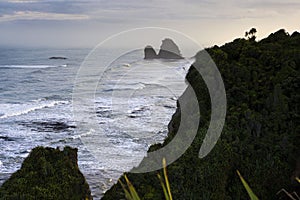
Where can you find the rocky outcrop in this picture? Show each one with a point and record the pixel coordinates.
(47, 173)
(48, 126)
(57, 58)
(168, 50)
(149, 53)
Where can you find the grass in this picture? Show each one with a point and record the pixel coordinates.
(131, 194)
(292, 196)
(165, 185)
(247, 187)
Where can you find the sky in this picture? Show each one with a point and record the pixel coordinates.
(85, 23)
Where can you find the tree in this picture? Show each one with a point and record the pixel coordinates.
(252, 31)
(251, 34)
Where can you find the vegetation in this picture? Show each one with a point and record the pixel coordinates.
(261, 134)
(251, 34)
(165, 183)
(292, 196)
(247, 187)
(131, 193)
(46, 174)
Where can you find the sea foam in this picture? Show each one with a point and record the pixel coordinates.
(12, 110)
(31, 66)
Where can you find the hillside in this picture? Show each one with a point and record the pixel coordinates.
(261, 133)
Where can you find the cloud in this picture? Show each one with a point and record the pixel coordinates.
(136, 10)
(271, 5)
(46, 18)
(120, 11)
(22, 1)
(32, 15)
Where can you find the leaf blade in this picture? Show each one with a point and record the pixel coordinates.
(247, 187)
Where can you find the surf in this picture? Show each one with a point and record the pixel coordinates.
(32, 66)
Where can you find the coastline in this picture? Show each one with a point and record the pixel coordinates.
(243, 146)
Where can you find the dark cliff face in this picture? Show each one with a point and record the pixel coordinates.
(261, 133)
(47, 173)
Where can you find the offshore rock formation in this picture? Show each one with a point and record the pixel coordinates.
(49, 126)
(168, 50)
(57, 58)
(47, 173)
(149, 53)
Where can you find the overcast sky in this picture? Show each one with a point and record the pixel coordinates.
(87, 22)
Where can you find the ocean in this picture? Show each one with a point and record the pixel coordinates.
(131, 107)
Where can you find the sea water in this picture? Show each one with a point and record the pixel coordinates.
(132, 105)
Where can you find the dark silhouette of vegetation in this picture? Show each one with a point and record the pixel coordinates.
(46, 174)
(261, 135)
(251, 34)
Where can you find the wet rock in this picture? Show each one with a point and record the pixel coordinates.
(50, 126)
(6, 138)
(57, 58)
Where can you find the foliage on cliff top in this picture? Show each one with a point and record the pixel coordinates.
(261, 134)
(47, 173)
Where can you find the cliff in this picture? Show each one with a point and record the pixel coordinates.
(47, 173)
(261, 134)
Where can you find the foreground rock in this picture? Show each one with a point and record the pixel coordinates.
(47, 173)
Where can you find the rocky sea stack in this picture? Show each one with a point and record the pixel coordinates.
(149, 53)
(168, 50)
(47, 173)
